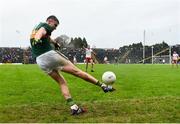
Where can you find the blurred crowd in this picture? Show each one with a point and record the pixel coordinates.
(15, 55)
(24, 55)
(105, 56)
(11, 55)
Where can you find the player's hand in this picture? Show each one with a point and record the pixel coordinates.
(36, 41)
(57, 46)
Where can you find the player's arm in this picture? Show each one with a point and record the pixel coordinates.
(52, 41)
(40, 33)
(56, 44)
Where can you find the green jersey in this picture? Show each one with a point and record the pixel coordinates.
(43, 45)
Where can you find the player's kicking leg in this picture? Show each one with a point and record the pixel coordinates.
(70, 68)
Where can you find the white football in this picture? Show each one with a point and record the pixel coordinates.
(108, 77)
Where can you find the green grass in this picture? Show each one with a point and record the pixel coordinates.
(145, 93)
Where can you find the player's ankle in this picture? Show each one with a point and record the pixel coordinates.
(98, 83)
(103, 85)
(70, 101)
(74, 107)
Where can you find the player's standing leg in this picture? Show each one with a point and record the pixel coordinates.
(61, 82)
(75, 109)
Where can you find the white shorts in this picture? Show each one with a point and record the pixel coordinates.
(51, 60)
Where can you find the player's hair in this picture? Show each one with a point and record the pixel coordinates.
(53, 17)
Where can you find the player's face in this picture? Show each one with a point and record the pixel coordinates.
(53, 24)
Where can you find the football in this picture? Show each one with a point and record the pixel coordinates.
(108, 77)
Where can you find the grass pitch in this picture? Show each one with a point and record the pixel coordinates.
(144, 93)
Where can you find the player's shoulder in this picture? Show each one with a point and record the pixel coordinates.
(45, 26)
(41, 24)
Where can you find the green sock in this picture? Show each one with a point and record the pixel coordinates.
(70, 101)
(98, 83)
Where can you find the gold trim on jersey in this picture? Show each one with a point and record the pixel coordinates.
(33, 34)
